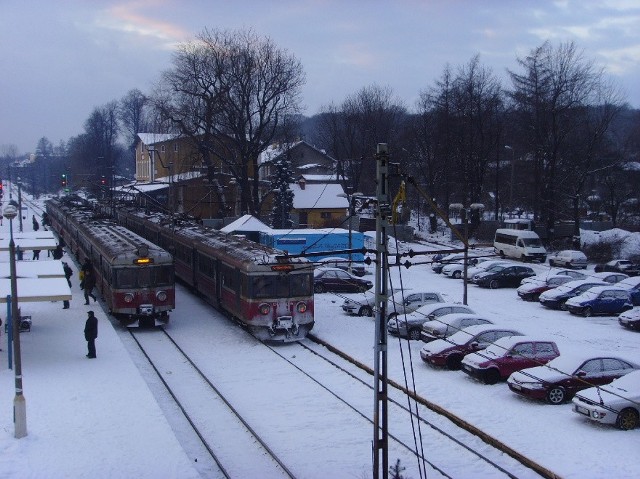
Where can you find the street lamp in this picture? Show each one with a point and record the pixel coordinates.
(19, 403)
(352, 212)
(465, 212)
(507, 147)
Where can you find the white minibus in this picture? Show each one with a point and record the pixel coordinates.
(519, 244)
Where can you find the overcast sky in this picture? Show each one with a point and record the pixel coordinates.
(63, 58)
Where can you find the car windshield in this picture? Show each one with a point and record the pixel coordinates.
(460, 338)
(532, 242)
(589, 294)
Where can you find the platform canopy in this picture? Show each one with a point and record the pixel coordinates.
(36, 289)
(29, 240)
(34, 269)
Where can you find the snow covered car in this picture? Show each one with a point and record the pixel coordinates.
(630, 319)
(532, 290)
(449, 352)
(619, 266)
(556, 298)
(485, 265)
(437, 265)
(563, 377)
(443, 327)
(338, 280)
(343, 263)
(410, 325)
(456, 270)
(508, 355)
(609, 277)
(399, 303)
(616, 403)
(568, 258)
(575, 275)
(633, 286)
(604, 300)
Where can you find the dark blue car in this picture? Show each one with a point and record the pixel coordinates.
(606, 300)
(632, 285)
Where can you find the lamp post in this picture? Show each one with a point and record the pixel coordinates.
(19, 403)
(352, 212)
(464, 213)
(507, 147)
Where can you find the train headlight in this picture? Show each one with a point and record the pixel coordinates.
(128, 298)
(264, 308)
(161, 295)
(301, 307)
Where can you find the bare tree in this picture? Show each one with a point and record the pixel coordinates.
(230, 92)
(132, 116)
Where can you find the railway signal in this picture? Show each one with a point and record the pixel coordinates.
(63, 180)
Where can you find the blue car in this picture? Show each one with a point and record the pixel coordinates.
(632, 285)
(606, 300)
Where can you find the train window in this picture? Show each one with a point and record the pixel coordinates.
(144, 277)
(163, 276)
(301, 284)
(125, 278)
(282, 286)
(262, 287)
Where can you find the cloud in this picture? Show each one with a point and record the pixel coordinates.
(133, 19)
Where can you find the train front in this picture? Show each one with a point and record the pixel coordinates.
(280, 302)
(144, 291)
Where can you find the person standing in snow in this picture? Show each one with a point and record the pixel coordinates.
(89, 282)
(91, 333)
(36, 225)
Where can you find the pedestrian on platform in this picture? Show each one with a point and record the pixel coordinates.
(91, 333)
(89, 282)
(36, 225)
(36, 254)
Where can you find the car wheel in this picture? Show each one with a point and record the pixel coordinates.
(551, 263)
(365, 311)
(362, 288)
(414, 334)
(318, 288)
(627, 419)
(392, 316)
(502, 254)
(556, 395)
(587, 312)
(491, 376)
(454, 361)
(494, 284)
(563, 306)
(457, 274)
(535, 297)
(523, 258)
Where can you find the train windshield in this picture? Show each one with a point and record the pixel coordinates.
(282, 286)
(143, 277)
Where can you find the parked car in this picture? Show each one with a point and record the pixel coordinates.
(449, 352)
(532, 290)
(557, 297)
(410, 325)
(437, 265)
(573, 274)
(501, 276)
(399, 303)
(608, 277)
(630, 319)
(568, 258)
(616, 403)
(485, 265)
(559, 380)
(456, 270)
(619, 266)
(508, 355)
(343, 263)
(605, 300)
(339, 281)
(633, 286)
(443, 327)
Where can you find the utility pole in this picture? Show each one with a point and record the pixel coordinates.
(380, 372)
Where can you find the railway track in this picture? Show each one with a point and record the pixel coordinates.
(221, 428)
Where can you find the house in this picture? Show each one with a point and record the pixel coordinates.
(303, 158)
(318, 205)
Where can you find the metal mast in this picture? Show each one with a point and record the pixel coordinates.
(380, 373)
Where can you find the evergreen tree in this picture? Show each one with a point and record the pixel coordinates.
(282, 194)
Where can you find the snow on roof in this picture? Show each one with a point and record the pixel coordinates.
(36, 289)
(34, 269)
(152, 138)
(319, 178)
(245, 223)
(318, 196)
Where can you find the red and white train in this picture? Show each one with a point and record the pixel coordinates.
(134, 276)
(270, 294)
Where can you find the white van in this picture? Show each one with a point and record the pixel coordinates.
(519, 244)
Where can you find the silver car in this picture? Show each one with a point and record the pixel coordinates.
(400, 303)
(410, 325)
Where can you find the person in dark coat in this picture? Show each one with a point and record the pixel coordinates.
(36, 254)
(91, 333)
(58, 252)
(68, 272)
(36, 225)
(89, 282)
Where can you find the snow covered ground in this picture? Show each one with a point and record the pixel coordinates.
(98, 418)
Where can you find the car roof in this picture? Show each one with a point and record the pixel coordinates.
(481, 328)
(453, 317)
(606, 274)
(510, 341)
(573, 359)
(630, 281)
(428, 308)
(600, 289)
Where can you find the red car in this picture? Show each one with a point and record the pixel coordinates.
(561, 378)
(450, 351)
(508, 355)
